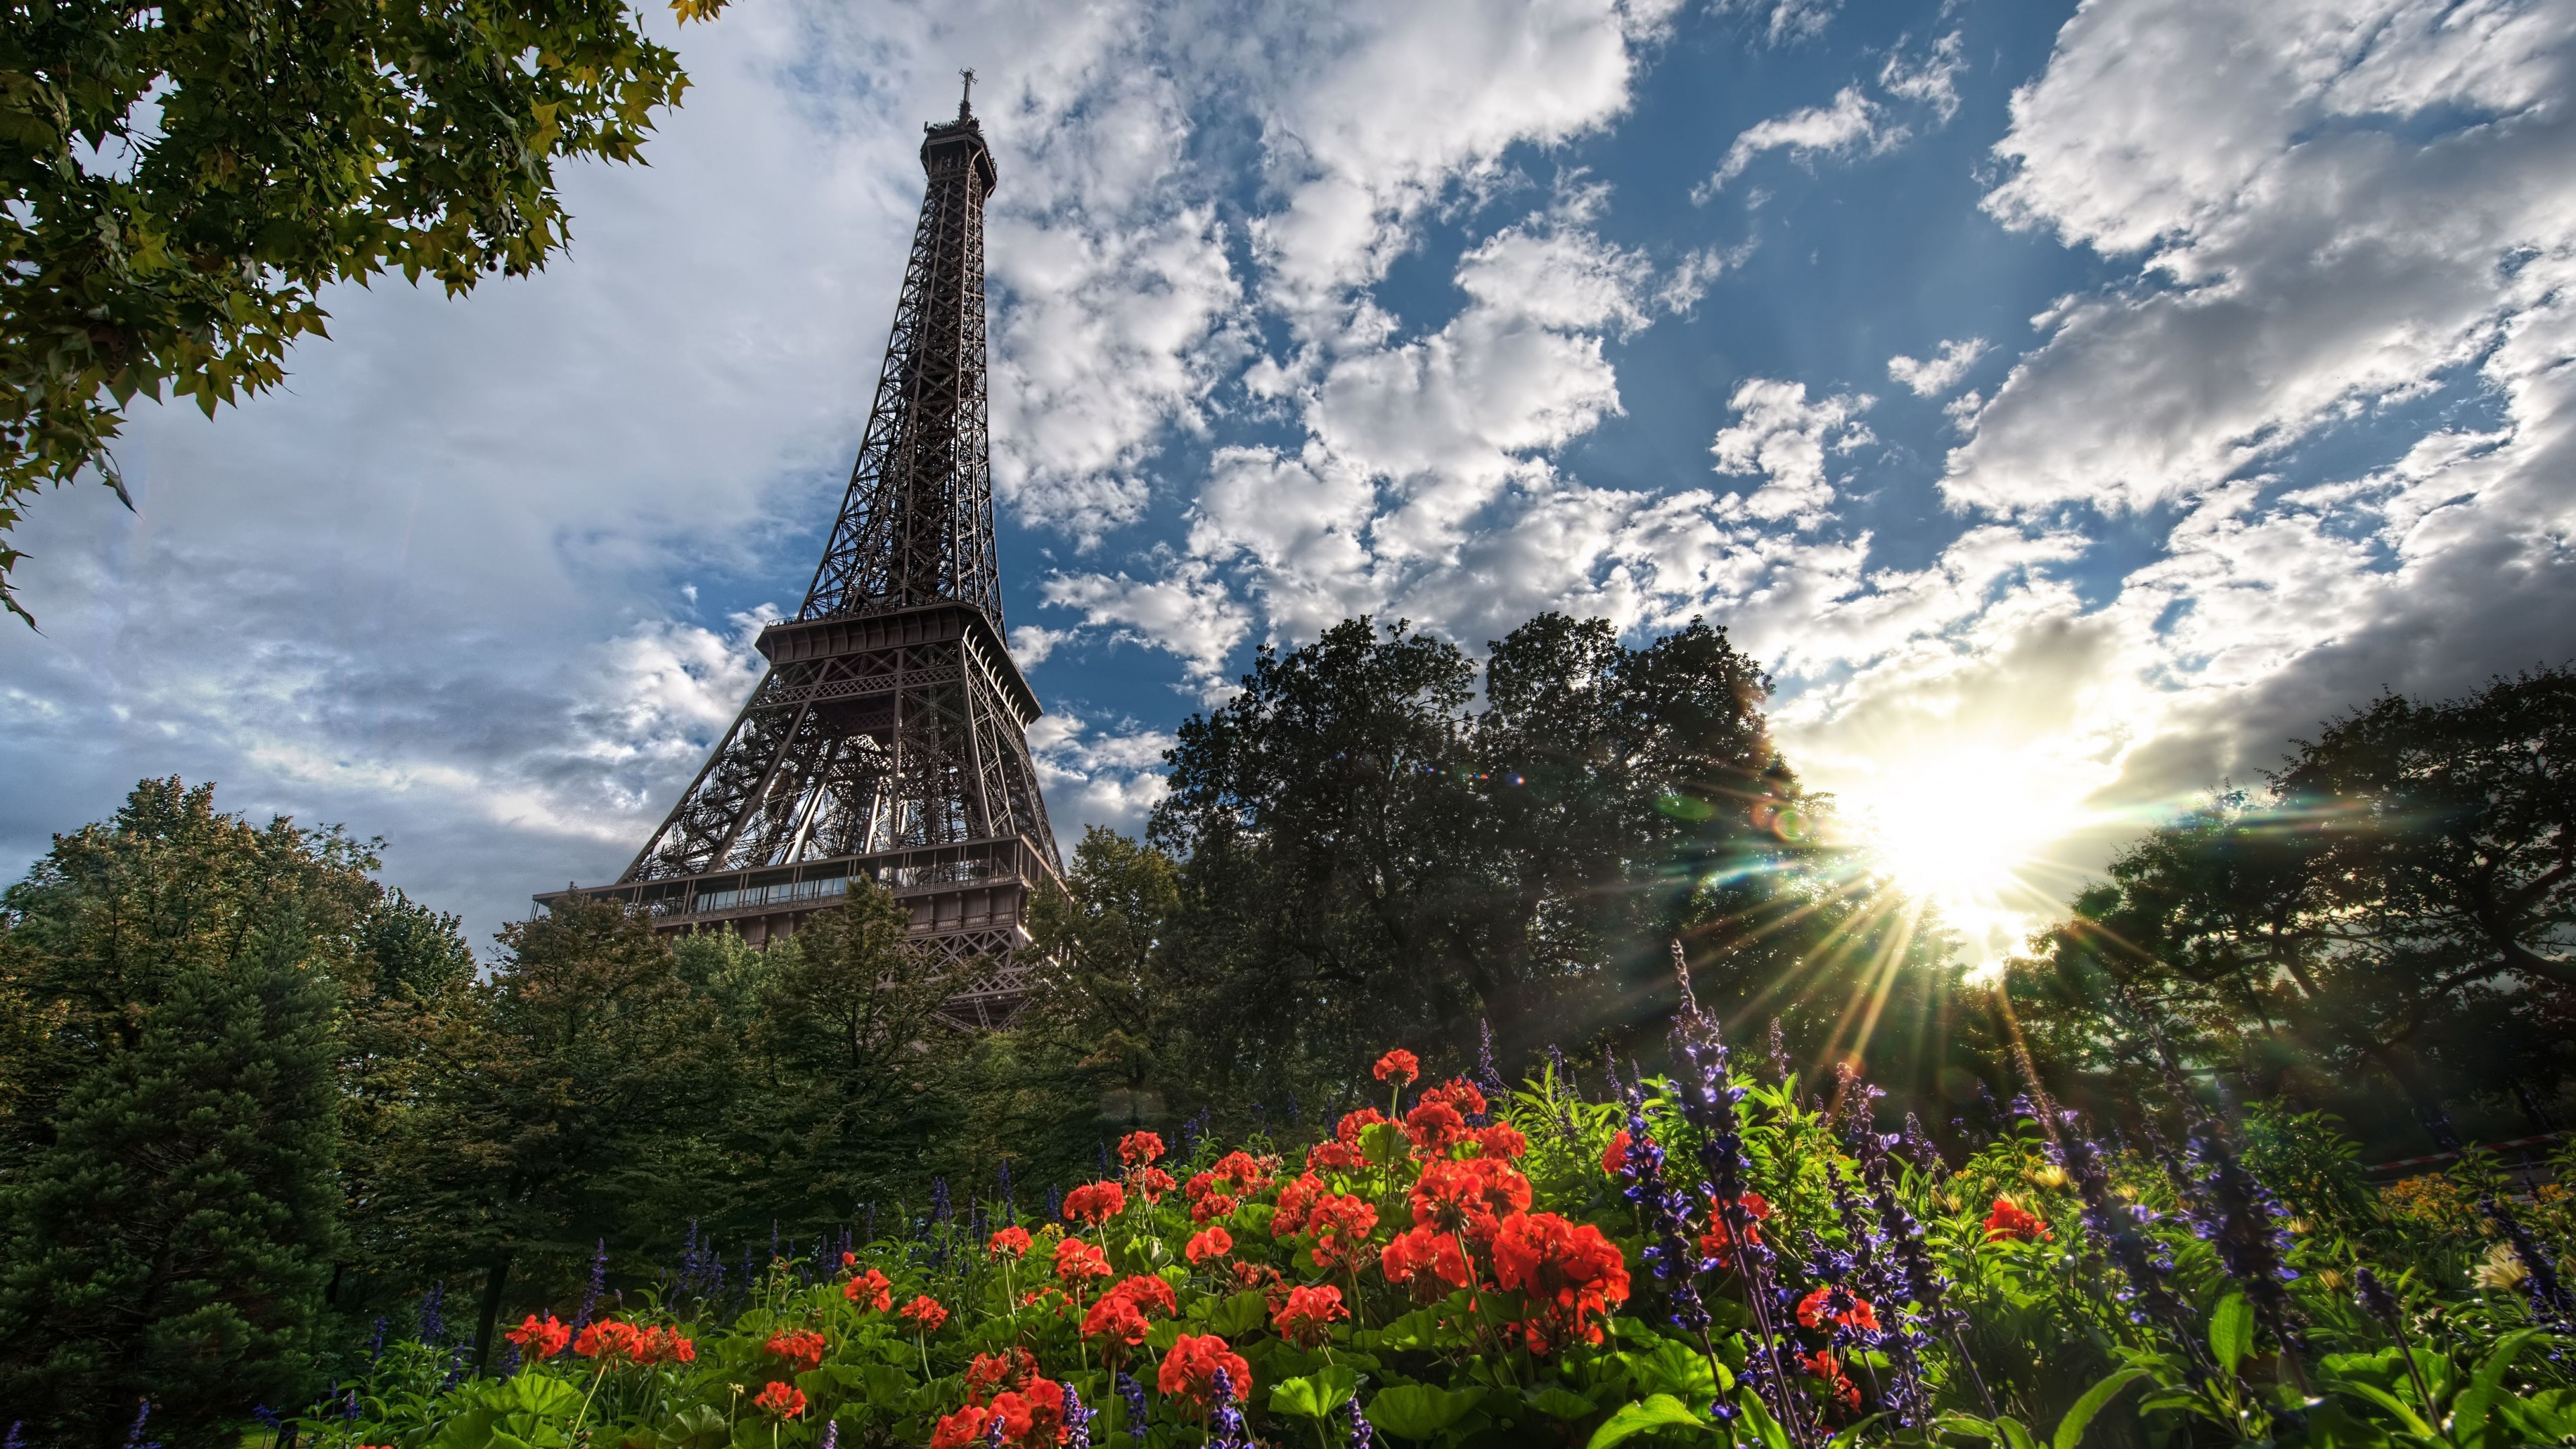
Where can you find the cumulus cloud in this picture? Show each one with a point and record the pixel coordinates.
(1937, 374)
(1779, 433)
(1097, 777)
(1186, 612)
(1853, 125)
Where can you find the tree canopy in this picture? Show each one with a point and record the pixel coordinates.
(184, 180)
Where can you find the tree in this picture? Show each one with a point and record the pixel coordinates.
(2399, 905)
(569, 1106)
(184, 180)
(169, 1194)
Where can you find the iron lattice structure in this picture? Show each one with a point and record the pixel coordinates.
(888, 738)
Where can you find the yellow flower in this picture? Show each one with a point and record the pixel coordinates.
(2501, 1268)
(2330, 1279)
(2051, 1175)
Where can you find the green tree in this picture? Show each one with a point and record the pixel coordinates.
(2398, 906)
(169, 1193)
(568, 1106)
(184, 180)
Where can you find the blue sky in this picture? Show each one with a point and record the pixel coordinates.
(2069, 404)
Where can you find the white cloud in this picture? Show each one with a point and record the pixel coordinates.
(1931, 80)
(1937, 374)
(1784, 21)
(1094, 778)
(1186, 612)
(1853, 125)
(1780, 434)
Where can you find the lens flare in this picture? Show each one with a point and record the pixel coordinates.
(1970, 830)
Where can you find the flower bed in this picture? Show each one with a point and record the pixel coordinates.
(1701, 1260)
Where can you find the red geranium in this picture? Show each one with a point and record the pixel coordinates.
(1138, 1148)
(1502, 1142)
(1468, 1197)
(1115, 1319)
(802, 1349)
(1572, 1275)
(1398, 1066)
(1837, 1305)
(1836, 1385)
(2014, 1223)
(542, 1340)
(1434, 1126)
(780, 1401)
(849, 1261)
(1343, 1154)
(1460, 1093)
(1424, 1262)
(610, 1339)
(1614, 1158)
(1012, 1368)
(1094, 1203)
(960, 1430)
(1254, 1275)
(1296, 1200)
(1243, 1171)
(1189, 1371)
(1029, 1417)
(1150, 1294)
(1307, 1318)
(1013, 1242)
(1213, 1243)
(1719, 1241)
(1341, 1225)
(1078, 1262)
(1152, 1183)
(871, 1288)
(925, 1313)
(1214, 1205)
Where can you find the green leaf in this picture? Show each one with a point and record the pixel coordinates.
(1317, 1394)
(1655, 1411)
(1238, 1314)
(2070, 1430)
(1677, 1369)
(2374, 1394)
(1418, 1411)
(2469, 1411)
(2231, 1331)
(1380, 1142)
(1766, 1429)
(1562, 1403)
(2014, 1435)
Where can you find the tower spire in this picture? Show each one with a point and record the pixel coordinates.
(966, 99)
(888, 739)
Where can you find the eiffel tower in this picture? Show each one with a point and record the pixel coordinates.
(887, 739)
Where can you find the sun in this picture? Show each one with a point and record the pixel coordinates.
(1971, 829)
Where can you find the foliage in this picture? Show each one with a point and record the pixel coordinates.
(1429, 1274)
(169, 1201)
(184, 180)
(2397, 908)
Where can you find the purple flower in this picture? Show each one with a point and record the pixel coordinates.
(2121, 1227)
(599, 1283)
(1669, 1250)
(832, 1433)
(1781, 1071)
(1227, 1421)
(2239, 1218)
(1363, 1434)
(1134, 1395)
(2550, 1301)
(1077, 1421)
(432, 1325)
(2374, 1298)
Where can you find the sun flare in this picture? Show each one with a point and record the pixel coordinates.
(1971, 830)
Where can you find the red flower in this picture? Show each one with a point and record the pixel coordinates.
(925, 1313)
(1837, 1305)
(961, 1430)
(1307, 1319)
(541, 1340)
(1214, 1205)
(1031, 1416)
(1078, 1262)
(1398, 1066)
(1296, 1201)
(1825, 1366)
(1094, 1203)
(1719, 1241)
(871, 1288)
(1138, 1148)
(802, 1349)
(1013, 1242)
(1253, 1275)
(1425, 1262)
(1434, 1126)
(1152, 1183)
(1189, 1371)
(1341, 1225)
(1115, 1319)
(2011, 1222)
(780, 1401)
(1502, 1142)
(1343, 1154)
(1214, 1243)
(1150, 1294)
(1571, 1274)
(1012, 1368)
(1468, 1197)
(849, 1261)
(1460, 1093)
(1243, 1171)
(610, 1339)
(664, 1345)
(1614, 1158)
